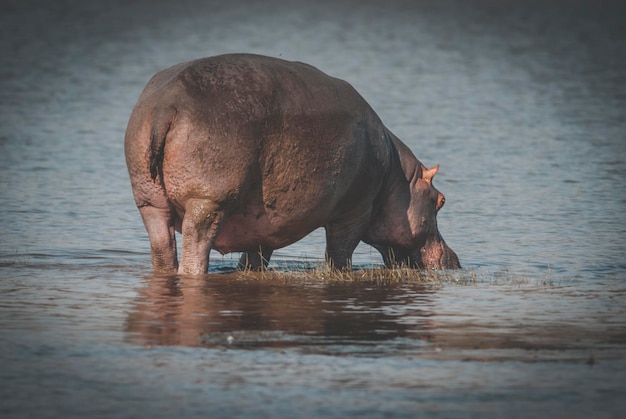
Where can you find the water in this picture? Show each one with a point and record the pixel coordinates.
(524, 106)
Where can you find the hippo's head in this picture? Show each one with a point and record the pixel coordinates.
(408, 225)
(429, 250)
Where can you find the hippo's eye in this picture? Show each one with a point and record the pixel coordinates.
(440, 202)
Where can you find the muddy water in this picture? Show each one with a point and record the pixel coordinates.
(522, 104)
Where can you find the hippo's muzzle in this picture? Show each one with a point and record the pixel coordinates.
(436, 255)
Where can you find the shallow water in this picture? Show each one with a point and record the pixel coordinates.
(524, 106)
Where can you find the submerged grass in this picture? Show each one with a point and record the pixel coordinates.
(508, 277)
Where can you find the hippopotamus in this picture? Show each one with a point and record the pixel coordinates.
(248, 153)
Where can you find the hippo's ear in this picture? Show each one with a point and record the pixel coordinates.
(429, 174)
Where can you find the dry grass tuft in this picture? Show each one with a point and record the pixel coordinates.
(379, 275)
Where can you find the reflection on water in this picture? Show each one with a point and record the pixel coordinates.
(224, 311)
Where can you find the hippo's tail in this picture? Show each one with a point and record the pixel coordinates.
(162, 120)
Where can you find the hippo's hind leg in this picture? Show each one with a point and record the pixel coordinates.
(256, 260)
(201, 225)
(160, 225)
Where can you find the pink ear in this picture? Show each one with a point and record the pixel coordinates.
(429, 174)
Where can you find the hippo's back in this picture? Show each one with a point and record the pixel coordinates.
(255, 85)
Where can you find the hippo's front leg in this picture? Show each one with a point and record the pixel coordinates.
(395, 257)
(341, 240)
(257, 260)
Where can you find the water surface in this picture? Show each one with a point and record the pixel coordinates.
(524, 106)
